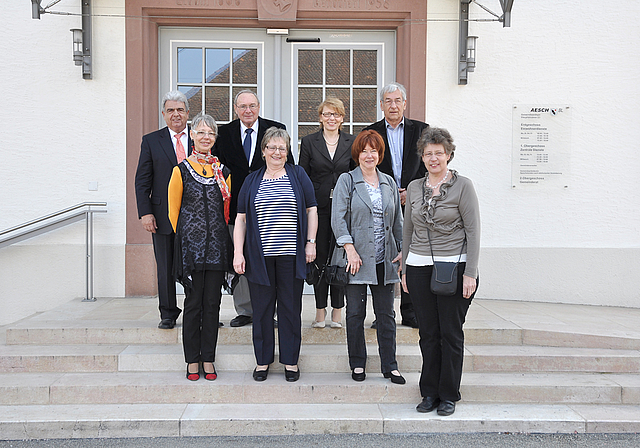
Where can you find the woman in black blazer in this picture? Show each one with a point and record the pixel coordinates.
(325, 155)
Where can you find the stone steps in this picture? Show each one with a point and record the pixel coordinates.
(192, 420)
(313, 358)
(313, 388)
(114, 332)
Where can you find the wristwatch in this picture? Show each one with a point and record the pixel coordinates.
(312, 241)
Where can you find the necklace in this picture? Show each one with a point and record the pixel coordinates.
(327, 141)
(202, 159)
(273, 174)
(373, 184)
(433, 187)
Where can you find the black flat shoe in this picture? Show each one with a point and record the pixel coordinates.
(428, 404)
(446, 407)
(358, 376)
(167, 324)
(291, 375)
(396, 379)
(210, 376)
(241, 320)
(260, 375)
(193, 376)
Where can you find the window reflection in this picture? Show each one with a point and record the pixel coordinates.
(190, 65)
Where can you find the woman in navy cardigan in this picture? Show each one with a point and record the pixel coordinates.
(274, 239)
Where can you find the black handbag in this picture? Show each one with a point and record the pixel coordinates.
(444, 276)
(336, 273)
(313, 273)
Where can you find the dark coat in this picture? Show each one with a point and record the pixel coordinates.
(155, 165)
(228, 148)
(322, 170)
(412, 166)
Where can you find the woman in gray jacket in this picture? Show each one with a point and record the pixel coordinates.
(366, 218)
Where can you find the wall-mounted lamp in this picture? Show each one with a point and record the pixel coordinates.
(471, 53)
(465, 65)
(77, 45)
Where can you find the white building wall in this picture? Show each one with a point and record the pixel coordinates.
(60, 133)
(575, 245)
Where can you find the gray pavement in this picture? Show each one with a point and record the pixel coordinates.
(351, 441)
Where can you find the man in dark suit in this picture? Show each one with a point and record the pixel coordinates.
(159, 153)
(238, 148)
(401, 161)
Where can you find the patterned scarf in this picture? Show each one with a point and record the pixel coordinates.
(219, 176)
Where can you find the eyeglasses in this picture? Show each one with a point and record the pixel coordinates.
(201, 134)
(397, 101)
(247, 106)
(331, 114)
(276, 148)
(437, 154)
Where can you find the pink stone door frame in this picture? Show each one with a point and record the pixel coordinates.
(406, 17)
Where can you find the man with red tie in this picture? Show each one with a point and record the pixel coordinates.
(159, 153)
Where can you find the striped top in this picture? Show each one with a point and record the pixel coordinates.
(277, 215)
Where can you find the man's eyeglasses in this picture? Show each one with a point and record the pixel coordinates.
(247, 106)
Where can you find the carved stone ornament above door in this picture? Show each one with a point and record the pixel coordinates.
(277, 10)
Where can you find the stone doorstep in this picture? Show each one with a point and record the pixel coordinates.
(239, 387)
(313, 358)
(175, 420)
(119, 332)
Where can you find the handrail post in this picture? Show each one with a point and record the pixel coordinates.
(89, 257)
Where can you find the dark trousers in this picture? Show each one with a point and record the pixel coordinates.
(163, 250)
(201, 316)
(324, 241)
(385, 316)
(285, 290)
(440, 320)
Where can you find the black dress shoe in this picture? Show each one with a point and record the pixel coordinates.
(358, 376)
(260, 375)
(291, 375)
(241, 321)
(410, 322)
(428, 404)
(220, 324)
(167, 324)
(374, 324)
(396, 379)
(446, 407)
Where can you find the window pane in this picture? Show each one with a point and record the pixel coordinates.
(305, 130)
(217, 65)
(190, 65)
(308, 101)
(217, 103)
(310, 67)
(245, 66)
(338, 67)
(356, 129)
(194, 96)
(343, 95)
(364, 105)
(365, 67)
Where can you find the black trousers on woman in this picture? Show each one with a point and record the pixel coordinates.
(324, 240)
(285, 290)
(440, 320)
(201, 316)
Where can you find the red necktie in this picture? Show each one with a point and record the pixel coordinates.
(179, 148)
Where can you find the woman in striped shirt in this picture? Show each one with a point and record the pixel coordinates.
(274, 239)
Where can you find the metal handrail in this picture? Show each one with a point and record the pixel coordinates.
(63, 217)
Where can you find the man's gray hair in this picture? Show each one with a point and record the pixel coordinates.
(392, 87)
(235, 100)
(175, 95)
(207, 120)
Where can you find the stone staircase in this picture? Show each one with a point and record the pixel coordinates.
(103, 369)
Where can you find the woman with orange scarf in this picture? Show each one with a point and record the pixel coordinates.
(199, 213)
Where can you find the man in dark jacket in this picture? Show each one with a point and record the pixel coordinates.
(401, 161)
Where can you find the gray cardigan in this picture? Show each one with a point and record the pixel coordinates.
(453, 214)
(361, 234)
